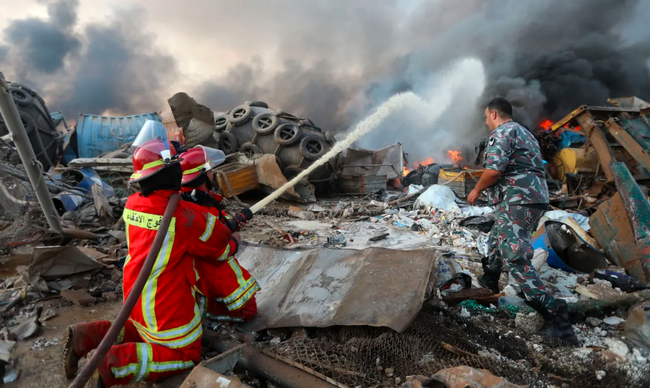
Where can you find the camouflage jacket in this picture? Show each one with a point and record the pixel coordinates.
(514, 151)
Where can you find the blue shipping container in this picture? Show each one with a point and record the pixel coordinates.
(97, 135)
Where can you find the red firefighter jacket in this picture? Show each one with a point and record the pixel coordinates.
(166, 312)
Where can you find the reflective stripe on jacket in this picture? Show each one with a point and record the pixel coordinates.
(166, 313)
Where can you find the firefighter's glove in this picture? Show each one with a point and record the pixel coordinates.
(239, 220)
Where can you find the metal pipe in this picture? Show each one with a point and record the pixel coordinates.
(270, 368)
(26, 152)
(134, 295)
(638, 211)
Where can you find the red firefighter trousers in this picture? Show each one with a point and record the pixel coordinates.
(132, 359)
(229, 288)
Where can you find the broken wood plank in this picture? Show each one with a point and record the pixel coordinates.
(90, 162)
(597, 306)
(482, 296)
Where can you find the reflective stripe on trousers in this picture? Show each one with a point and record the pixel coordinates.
(140, 370)
(173, 338)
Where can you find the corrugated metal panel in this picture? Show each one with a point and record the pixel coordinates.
(337, 287)
(361, 184)
(387, 161)
(100, 134)
(611, 227)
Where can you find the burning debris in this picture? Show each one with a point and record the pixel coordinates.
(455, 157)
(354, 213)
(404, 207)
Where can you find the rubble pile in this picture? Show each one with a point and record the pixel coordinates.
(364, 207)
(440, 339)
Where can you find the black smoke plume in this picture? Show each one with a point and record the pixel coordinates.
(334, 61)
(111, 67)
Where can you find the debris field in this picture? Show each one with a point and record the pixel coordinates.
(368, 267)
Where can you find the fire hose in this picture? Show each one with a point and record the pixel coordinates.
(131, 300)
(110, 337)
(365, 126)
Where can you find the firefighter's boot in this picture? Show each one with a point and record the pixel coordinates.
(81, 339)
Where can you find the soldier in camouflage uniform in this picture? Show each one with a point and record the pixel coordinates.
(515, 181)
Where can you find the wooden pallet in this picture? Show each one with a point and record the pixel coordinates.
(461, 181)
(242, 178)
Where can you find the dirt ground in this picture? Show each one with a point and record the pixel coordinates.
(42, 368)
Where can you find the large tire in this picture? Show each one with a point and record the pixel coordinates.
(43, 136)
(312, 147)
(21, 97)
(228, 143)
(292, 172)
(265, 123)
(250, 150)
(221, 122)
(28, 122)
(240, 115)
(287, 134)
(259, 104)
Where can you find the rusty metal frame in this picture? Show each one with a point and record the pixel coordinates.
(254, 360)
(629, 143)
(567, 118)
(638, 211)
(577, 112)
(597, 139)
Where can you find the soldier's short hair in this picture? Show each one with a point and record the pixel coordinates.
(501, 106)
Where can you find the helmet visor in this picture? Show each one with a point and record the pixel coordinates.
(151, 130)
(213, 157)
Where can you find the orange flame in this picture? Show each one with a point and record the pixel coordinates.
(424, 162)
(546, 124)
(455, 156)
(574, 128)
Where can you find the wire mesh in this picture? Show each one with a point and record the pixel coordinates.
(375, 357)
(20, 214)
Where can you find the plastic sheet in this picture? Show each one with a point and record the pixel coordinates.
(438, 197)
(561, 216)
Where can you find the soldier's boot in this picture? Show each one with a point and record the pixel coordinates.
(81, 339)
(556, 324)
(490, 278)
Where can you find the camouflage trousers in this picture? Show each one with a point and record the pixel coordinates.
(509, 246)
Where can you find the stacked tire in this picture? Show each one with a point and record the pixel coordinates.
(37, 120)
(254, 128)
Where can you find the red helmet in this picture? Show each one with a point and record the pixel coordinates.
(150, 158)
(199, 160)
(193, 164)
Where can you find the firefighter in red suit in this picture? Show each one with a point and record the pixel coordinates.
(229, 288)
(162, 336)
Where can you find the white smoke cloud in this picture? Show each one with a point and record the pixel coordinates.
(440, 120)
(332, 60)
